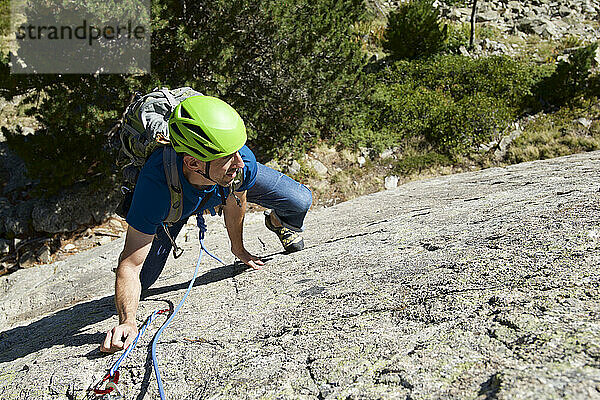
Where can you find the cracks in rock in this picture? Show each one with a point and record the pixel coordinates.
(214, 343)
(505, 322)
(354, 236)
(344, 238)
(377, 223)
(393, 377)
(374, 311)
(237, 289)
(294, 330)
(419, 209)
(418, 347)
(444, 292)
(264, 246)
(324, 388)
(311, 373)
(431, 246)
(567, 192)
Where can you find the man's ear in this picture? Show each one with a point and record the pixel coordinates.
(193, 163)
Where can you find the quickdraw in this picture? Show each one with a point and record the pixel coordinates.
(111, 386)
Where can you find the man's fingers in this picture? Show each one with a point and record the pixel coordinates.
(255, 264)
(105, 347)
(118, 338)
(117, 344)
(113, 341)
(128, 339)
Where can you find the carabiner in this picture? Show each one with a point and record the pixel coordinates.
(111, 385)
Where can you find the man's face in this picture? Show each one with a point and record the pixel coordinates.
(224, 169)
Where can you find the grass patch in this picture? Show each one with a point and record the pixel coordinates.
(369, 33)
(411, 163)
(558, 134)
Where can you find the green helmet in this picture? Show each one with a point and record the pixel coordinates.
(206, 128)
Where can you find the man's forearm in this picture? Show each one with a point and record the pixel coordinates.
(127, 293)
(234, 221)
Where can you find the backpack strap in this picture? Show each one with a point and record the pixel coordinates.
(170, 98)
(172, 175)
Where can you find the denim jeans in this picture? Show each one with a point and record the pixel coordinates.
(288, 199)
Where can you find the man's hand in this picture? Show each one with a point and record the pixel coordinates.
(234, 222)
(119, 338)
(248, 259)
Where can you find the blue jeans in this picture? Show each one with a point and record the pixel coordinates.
(288, 199)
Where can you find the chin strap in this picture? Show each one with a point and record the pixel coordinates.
(206, 172)
(231, 187)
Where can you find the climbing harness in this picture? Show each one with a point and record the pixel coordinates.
(112, 377)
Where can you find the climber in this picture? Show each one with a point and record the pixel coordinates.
(216, 171)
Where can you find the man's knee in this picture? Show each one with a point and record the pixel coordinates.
(304, 199)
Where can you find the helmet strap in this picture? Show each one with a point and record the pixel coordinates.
(231, 191)
(206, 171)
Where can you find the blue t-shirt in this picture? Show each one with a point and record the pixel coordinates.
(152, 199)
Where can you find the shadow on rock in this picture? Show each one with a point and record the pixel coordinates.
(68, 327)
(65, 327)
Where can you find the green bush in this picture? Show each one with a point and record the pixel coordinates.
(4, 17)
(496, 76)
(75, 112)
(458, 35)
(291, 69)
(594, 85)
(418, 162)
(570, 79)
(414, 30)
(449, 104)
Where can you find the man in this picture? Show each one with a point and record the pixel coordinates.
(209, 137)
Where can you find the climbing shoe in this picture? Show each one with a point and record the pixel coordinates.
(290, 240)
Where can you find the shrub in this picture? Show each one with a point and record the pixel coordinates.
(458, 35)
(469, 122)
(570, 79)
(4, 17)
(414, 30)
(418, 162)
(291, 69)
(75, 112)
(410, 112)
(496, 76)
(450, 104)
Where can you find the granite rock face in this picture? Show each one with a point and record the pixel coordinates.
(65, 212)
(477, 285)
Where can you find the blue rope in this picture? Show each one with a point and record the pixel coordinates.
(130, 348)
(202, 229)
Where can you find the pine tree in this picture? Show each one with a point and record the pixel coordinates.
(414, 31)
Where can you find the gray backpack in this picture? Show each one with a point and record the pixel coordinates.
(144, 128)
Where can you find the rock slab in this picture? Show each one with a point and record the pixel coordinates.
(477, 285)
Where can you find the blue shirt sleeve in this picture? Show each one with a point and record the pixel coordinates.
(250, 169)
